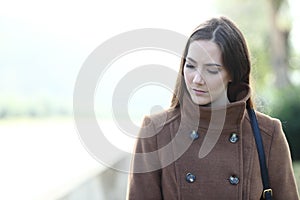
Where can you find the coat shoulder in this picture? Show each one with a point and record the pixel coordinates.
(267, 124)
(163, 118)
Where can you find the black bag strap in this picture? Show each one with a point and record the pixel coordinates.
(267, 192)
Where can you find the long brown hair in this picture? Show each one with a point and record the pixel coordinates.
(234, 50)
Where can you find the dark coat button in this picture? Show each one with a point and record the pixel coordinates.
(234, 180)
(234, 138)
(190, 178)
(194, 135)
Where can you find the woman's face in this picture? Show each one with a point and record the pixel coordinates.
(205, 76)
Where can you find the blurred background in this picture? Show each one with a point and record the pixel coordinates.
(43, 45)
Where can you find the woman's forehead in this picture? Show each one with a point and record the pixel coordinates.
(204, 51)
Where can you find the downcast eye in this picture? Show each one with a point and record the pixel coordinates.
(190, 66)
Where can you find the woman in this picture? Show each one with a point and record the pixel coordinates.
(203, 146)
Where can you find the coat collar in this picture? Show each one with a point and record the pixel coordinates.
(216, 118)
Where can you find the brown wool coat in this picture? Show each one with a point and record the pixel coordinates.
(212, 169)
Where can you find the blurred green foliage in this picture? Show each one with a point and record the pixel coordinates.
(286, 107)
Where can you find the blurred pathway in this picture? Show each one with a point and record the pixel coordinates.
(42, 159)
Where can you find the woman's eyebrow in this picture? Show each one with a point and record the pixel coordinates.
(212, 64)
(191, 60)
(206, 64)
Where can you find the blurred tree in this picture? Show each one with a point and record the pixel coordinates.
(279, 29)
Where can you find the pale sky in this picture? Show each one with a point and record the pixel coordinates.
(57, 36)
(89, 22)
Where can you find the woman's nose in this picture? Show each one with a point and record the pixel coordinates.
(198, 78)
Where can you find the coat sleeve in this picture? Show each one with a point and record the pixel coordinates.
(145, 176)
(281, 174)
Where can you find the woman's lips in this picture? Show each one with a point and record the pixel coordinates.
(199, 92)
